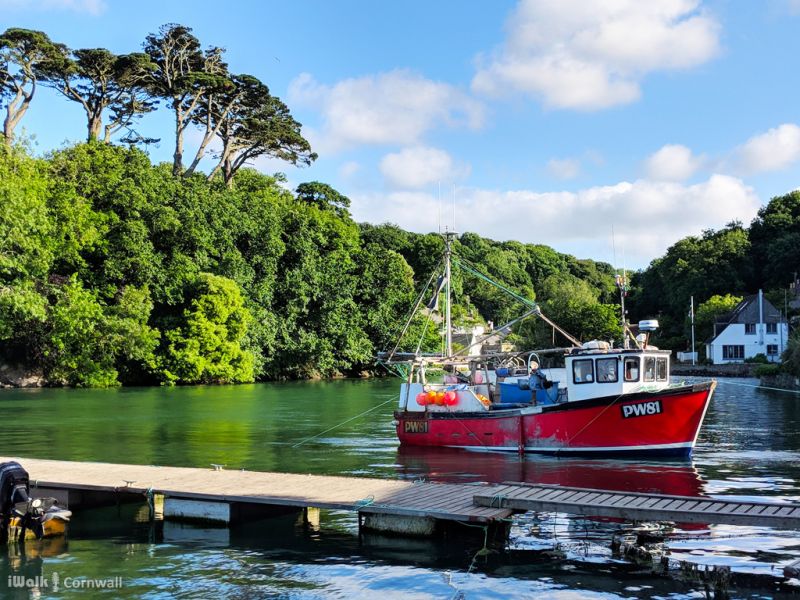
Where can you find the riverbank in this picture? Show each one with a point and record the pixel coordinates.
(782, 381)
(733, 370)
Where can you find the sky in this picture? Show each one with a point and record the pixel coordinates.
(607, 129)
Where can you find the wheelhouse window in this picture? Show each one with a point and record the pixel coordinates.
(631, 368)
(750, 328)
(772, 328)
(607, 370)
(662, 372)
(583, 371)
(772, 349)
(733, 353)
(649, 368)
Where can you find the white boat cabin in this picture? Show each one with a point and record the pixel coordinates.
(596, 374)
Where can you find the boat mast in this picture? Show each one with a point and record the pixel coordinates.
(448, 331)
(622, 285)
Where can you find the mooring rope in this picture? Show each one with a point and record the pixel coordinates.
(763, 387)
(308, 439)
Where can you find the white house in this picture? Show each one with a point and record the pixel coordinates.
(755, 326)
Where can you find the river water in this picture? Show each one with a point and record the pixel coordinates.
(749, 448)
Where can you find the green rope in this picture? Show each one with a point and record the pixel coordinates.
(364, 502)
(467, 267)
(499, 498)
(308, 439)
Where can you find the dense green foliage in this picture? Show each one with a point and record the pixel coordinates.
(113, 270)
(791, 358)
(718, 268)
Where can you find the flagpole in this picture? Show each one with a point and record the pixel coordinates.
(691, 313)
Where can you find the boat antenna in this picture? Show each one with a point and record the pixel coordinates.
(439, 224)
(454, 207)
(448, 332)
(622, 285)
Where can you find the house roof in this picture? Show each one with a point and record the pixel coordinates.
(747, 312)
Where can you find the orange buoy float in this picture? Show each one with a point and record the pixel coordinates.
(439, 398)
(432, 397)
(450, 398)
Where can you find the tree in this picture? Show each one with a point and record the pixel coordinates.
(323, 196)
(106, 83)
(775, 234)
(320, 326)
(86, 340)
(791, 356)
(206, 346)
(718, 262)
(708, 311)
(26, 57)
(251, 123)
(26, 253)
(573, 305)
(183, 75)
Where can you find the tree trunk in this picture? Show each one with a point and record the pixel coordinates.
(227, 170)
(94, 126)
(177, 158)
(15, 110)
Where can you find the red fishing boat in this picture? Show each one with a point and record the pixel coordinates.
(603, 401)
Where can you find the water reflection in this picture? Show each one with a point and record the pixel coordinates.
(452, 465)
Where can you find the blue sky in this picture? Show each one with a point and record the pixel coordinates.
(551, 120)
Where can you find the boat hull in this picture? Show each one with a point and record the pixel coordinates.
(660, 423)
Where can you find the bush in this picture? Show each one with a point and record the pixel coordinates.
(759, 359)
(765, 370)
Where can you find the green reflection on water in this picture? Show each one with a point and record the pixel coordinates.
(248, 426)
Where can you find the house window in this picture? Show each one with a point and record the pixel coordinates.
(733, 353)
(662, 373)
(632, 368)
(772, 328)
(583, 371)
(750, 328)
(772, 349)
(649, 368)
(607, 370)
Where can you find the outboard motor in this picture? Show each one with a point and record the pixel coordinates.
(14, 487)
(18, 511)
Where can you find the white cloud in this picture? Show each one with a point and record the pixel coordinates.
(564, 168)
(647, 216)
(770, 151)
(92, 7)
(419, 166)
(397, 107)
(672, 162)
(348, 169)
(592, 55)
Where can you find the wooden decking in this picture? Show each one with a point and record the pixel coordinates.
(450, 502)
(641, 507)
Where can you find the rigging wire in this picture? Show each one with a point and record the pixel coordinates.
(414, 309)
